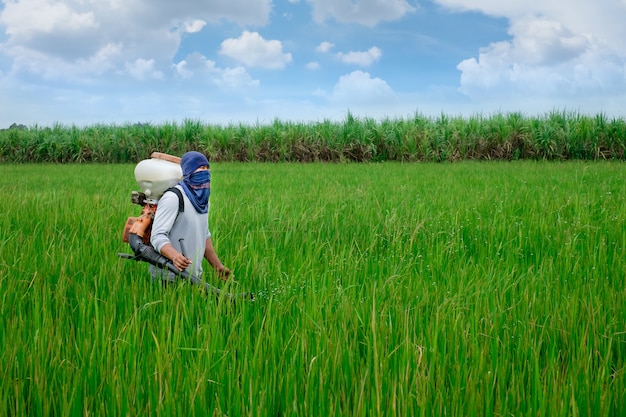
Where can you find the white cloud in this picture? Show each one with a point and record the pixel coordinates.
(39, 28)
(182, 71)
(195, 64)
(194, 26)
(25, 18)
(313, 65)
(359, 88)
(565, 52)
(143, 69)
(197, 67)
(496, 71)
(364, 59)
(236, 79)
(163, 12)
(253, 51)
(508, 8)
(324, 47)
(545, 42)
(81, 71)
(364, 12)
(62, 38)
(601, 18)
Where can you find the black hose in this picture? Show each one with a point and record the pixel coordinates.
(148, 254)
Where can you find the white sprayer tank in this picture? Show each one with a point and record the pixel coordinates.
(157, 174)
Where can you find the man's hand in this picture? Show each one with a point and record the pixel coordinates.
(222, 272)
(181, 262)
(178, 259)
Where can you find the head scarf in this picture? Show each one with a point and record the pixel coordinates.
(197, 185)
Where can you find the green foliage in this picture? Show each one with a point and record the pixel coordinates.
(382, 289)
(553, 136)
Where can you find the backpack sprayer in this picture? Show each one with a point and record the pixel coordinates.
(155, 176)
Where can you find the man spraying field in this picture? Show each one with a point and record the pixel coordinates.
(171, 230)
(174, 238)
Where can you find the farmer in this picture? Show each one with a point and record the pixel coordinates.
(184, 237)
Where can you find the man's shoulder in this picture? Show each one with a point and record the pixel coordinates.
(170, 200)
(175, 193)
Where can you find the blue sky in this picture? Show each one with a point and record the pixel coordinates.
(82, 62)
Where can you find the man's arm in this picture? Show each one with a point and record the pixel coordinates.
(163, 221)
(178, 259)
(214, 260)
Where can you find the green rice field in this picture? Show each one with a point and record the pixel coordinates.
(382, 289)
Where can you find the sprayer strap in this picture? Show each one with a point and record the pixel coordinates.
(181, 202)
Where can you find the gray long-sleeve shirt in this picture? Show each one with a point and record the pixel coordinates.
(169, 226)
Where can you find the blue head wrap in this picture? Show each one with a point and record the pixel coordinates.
(197, 185)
